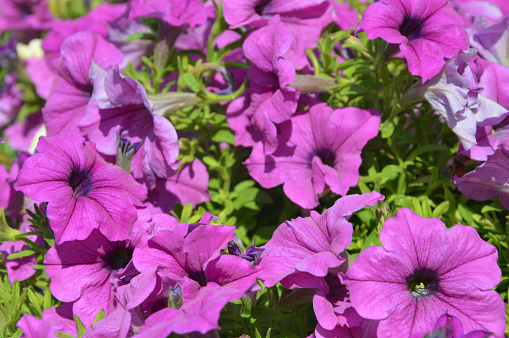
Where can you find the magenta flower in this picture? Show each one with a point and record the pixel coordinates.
(318, 148)
(188, 185)
(94, 21)
(313, 244)
(86, 272)
(124, 109)
(10, 99)
(175, 12)
(272, 99)
(422, 271)
(450, 326)
(24, 15)
(198, 313)
(133, 303)
(366, 329)
(72, 88)
(196, 257)
(54, 320)
(305, 19)
(84, 192)
(417, 27)
(488, 180)
(20, 268)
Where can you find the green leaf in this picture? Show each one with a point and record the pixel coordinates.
(387, 129)
(441, 209)
(35, 302)
(46, 303)
(426, 149)
(372, 240)
(390, 172)
(17, 334)
(24, 253)
(100, 315)
(263, 314)
(81, 328)
(140, 36)
(426, 209)
(63, 335)
(224, 135)
(488, 208)
(191, 82)
(256, 332)
(243, 185)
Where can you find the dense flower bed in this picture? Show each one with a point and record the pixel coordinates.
(356, 149)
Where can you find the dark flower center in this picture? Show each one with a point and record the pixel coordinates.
(119, 259)
(260, 8)
(337, 291)
(423, 282)
(199, 276)
(80, 181)
(411, 27)
(327, 156)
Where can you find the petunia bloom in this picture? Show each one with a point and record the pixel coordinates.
(418, 27)
(459, 100)
(84, 192)
(318, 148)
(424, 270)
(489, 179)
(450, 326)
(86, 271)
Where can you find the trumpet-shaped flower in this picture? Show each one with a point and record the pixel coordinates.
(418, 27)
(320, 147)
(489, 179)
(82, 190)
(424, 270)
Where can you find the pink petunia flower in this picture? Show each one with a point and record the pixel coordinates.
(318, 148)
(85, 272)
(418, 27)
(422, 271)
(450, 326)
(84, 192)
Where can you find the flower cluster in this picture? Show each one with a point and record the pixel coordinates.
(147, 141)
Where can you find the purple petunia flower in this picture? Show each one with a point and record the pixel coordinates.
(318, 148)
(84, 192)
(85, 272)
(199, 312)
(492, 42)
(20, 268)
(418, 27)
(24, 15)
(422, 271)
(125, 109)
(272, 99)
(313, 244)
(459, 99)
(304, 18)
(72, 88)
(489, 179)
(54, 320)
(450, 326)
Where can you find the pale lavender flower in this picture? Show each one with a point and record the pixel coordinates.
(489, 179)
(459, 101)
(492, 42)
